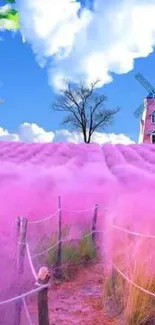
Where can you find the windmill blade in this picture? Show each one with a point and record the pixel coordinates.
(139, 111)
(1, 101)
(145, 83)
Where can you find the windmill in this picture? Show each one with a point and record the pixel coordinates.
(146, 84)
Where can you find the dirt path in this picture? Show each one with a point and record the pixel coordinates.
(77, 302)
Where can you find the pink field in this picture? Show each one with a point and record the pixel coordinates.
(121, 179)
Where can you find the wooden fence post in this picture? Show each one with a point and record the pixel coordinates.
(21, 231)
(58, 273)
(94, 222)
(43, 315)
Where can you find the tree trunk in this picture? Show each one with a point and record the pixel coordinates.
(89, 137)
(84, 136)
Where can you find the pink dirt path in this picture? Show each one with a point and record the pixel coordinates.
(78, 301)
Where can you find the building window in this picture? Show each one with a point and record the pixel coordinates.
(153, 118)
(153, 138)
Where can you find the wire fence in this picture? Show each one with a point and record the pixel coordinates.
(24, 244)
(27, 312)
(134, 233)
(40, 286)
(45, 219)
(130, 281)
(23, 295)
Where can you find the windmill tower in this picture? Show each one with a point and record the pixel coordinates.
(147, 113)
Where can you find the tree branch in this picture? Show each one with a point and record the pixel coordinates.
(85, 108)
(104, 118)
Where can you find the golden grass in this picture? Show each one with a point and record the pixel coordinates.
(139, 307)
(114, 288)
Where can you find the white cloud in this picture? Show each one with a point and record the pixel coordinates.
(28, 132)
(100, 138)
(92, 44)
(34, 133)
(67, 136)
(5, 9)
(6, 136)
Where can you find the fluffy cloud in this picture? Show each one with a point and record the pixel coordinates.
(33, 133)
(78, 43)
(100, 138)
(6, 136)
(27, 133)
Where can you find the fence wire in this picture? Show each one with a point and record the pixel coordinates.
(30, 258)
(132, 282)
(26, 294)
(45, 219)
(134, 233)
(63, 241)
(27, 312)
(30, 262)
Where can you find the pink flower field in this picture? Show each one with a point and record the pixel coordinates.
(120, 179)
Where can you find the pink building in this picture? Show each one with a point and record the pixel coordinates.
(147, 123)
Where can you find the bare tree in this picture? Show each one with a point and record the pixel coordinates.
(85, 108)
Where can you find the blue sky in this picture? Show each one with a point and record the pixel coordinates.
(28, 94)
